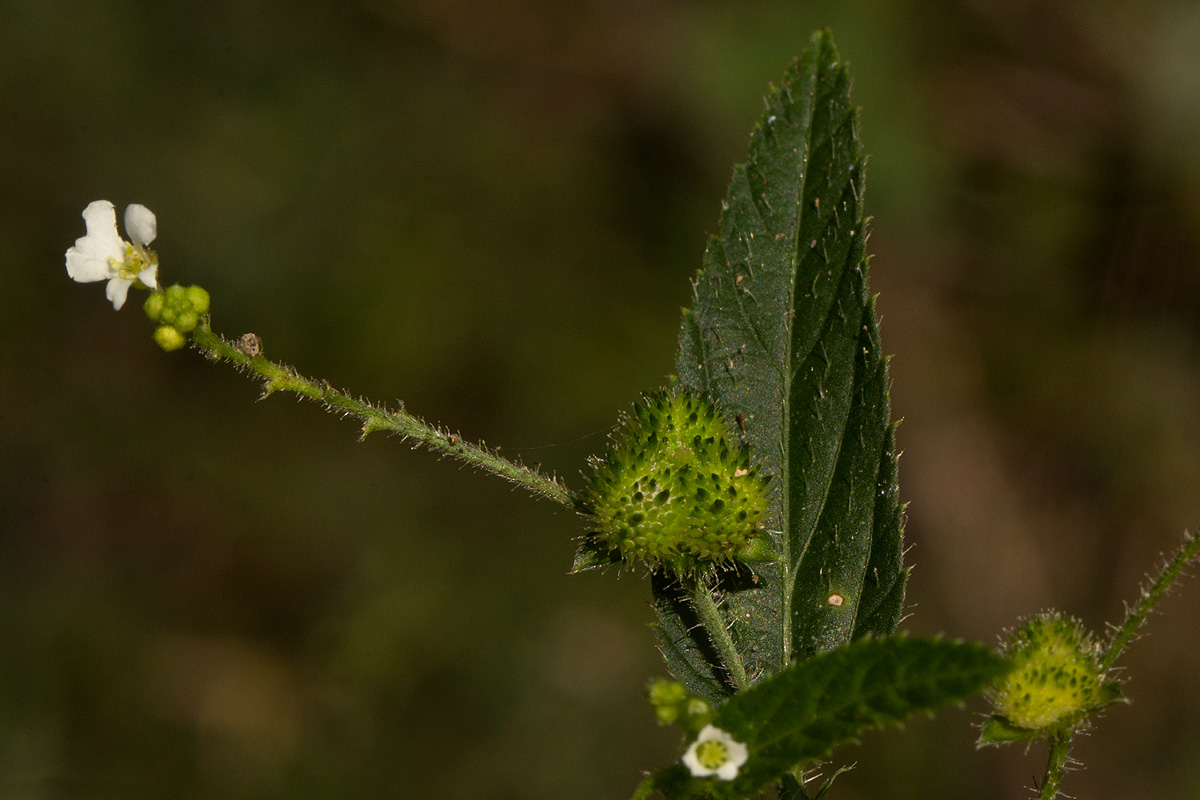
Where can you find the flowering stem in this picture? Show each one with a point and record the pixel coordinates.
(280, 377)
(1056, 765)
(1060, 743)
(718, 631)
(1135, 616)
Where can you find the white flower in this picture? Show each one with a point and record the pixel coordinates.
(103, 255)
(715, 752)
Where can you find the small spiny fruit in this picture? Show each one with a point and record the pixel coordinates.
(676, 487)
(1056, 677)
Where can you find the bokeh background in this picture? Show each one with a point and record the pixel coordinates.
(492, 211)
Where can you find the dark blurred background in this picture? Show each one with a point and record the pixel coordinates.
(492, 211)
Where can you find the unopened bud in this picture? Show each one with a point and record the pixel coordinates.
(169, 338)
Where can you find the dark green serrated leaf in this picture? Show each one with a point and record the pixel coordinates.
(800, 714)
(885, 577)
(784, 336)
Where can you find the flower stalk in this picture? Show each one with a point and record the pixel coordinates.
(1060, 741)
(1135, 616)
(718, 630)
(280, 377)
(1056, 765)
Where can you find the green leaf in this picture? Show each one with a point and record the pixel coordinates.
(784, 336)
(800, 714)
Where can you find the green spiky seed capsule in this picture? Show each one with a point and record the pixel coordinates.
(676, 488)
(1056, 677)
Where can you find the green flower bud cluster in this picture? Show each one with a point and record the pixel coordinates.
(676, 488)
(672, 704)
(178, 310)
(1056, 679)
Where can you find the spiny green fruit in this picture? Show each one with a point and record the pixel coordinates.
(676, 488)
(1056, 677)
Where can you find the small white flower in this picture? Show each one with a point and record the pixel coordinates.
(715, 752)
(103, 255)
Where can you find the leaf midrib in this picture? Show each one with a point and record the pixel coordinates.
(790, 564)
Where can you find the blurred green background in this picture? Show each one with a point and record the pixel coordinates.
(492, 211)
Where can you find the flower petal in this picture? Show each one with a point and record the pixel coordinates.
(101, 220)
(728, 771)
(140, 224)
(149, 276)
(738, 752)
(116, 291)
(88, 260)
(85, 268)
(692, 762)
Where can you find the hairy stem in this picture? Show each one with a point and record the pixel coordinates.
(1056, 765)
(1151, 594)
(280, 377)
(718, 631)
(1060, 743)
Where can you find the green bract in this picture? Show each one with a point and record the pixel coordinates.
(676, 488)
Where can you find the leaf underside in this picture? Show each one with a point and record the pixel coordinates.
(783, 335)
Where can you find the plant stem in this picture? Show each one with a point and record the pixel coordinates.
(1056, 765)
(718, 631)
(280, 377)
(1060, 743)
(1136, 615)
